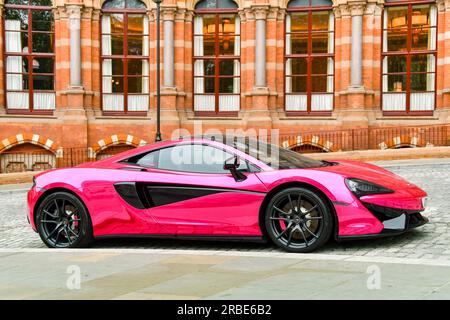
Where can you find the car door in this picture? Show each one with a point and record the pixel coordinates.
(191, 194)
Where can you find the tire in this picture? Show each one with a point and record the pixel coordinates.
(63, 221)
(298, 220)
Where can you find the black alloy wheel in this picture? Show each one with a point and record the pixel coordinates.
(63, 221)
(298, 220)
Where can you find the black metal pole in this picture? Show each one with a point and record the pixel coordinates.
(158, 72)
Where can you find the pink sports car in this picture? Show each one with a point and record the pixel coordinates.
(234, 188)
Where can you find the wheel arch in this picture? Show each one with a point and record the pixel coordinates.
(292, 184)
(52, 191)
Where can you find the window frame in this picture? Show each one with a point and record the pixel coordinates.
(124, 58)
(30, 56)
(309, 56)
(408, 54)
(217, 58)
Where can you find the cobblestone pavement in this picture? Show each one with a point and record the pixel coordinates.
(431, 241)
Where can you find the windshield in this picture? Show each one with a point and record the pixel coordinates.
(270, 154)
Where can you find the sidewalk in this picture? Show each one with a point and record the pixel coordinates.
(172, 274)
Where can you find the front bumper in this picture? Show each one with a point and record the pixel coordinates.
(395, 221)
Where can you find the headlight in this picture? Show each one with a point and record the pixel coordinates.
(362, 188)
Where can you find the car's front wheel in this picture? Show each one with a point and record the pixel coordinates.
(63, 221)
(298, 220)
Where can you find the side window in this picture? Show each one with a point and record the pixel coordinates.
(195, 158)
(148, 160)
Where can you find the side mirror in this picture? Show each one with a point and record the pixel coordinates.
(232, 164)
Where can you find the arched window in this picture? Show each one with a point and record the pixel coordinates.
(216, 57)
(29, 56)
(125, 51)
(309, 57)
(409, 57)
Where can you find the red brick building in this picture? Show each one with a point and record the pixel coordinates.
(81, 74)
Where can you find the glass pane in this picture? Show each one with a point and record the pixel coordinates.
(42, 20)
(226, 45)
(227, 24)
(319, 65)
(135, 84)
(422, 82)
(135, 4)
(320, 20)
(319, 83)
(114, 4)
(422, 63)
(117, 44)
(43, 82)
(299, 66)
(117, 84)
(395, 64)
(319, 42)
(204, 68)
(16, 19)
(112, 67)
(420, 16)
(135, 66)
(321, 3)
(397, 17)
(209, 24)
(43, 3)
(135, 24)
(210, 85)
(213, 4)
(420, 39)
(299, 43)
(226, 67)
(43, 65)
(299, 22)
(42, 42)
(16, 42)
(135, 45)
(117, 23)
(298, 3)
(396, 83)
(226, 85)
(208, 45)
(298, 84)
(397, 39)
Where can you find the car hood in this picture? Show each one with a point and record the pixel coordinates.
(368, 172)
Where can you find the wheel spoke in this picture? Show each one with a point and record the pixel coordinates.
(290, 236)
(71, 231)
(50, 221)
(304, 237)
(281, 211)
(67, 236)
(53, 215)
(309, 230)
(314, 218)
(57, 236)
(285, 230)
(53, 232)
(291, 203)
(280, 218)
(299, 203)
(310, 210)
(58, 212)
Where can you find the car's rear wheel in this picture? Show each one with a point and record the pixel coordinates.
(63, 221)
(298, 220)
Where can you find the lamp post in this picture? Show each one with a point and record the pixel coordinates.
(158, 71)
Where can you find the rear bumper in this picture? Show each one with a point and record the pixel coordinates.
(395, 222)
